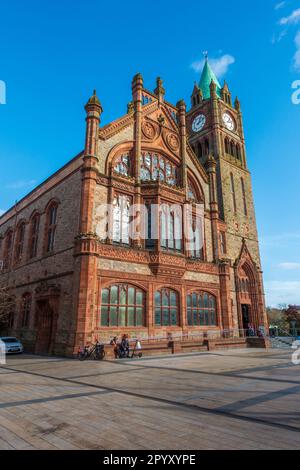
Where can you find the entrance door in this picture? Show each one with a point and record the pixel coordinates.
(45, 327)
(246, 316)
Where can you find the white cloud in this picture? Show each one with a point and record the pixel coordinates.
(277, 38)
(21, 184)
(297, 54)
(280, 5)
(281, 239)
(289, 266)
(219, 65)
(282, 292)
(293, 18)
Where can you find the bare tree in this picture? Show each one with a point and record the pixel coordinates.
(293, 314)
(277, 318)
(7, 306)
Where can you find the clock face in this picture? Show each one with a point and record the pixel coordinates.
(228, 121)
(198, 123)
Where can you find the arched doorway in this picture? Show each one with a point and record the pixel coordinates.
(47, 302)
(44, 327)
(249, 294)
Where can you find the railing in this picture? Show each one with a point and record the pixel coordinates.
(285, 333)
(196, 337)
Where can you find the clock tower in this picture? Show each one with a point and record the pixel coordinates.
(215, 127)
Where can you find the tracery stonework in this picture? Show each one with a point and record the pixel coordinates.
(187, 278)
(148, 130)
(173, 141)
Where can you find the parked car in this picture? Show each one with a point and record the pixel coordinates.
(12, 345)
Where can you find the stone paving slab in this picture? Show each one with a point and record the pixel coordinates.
(234, 399)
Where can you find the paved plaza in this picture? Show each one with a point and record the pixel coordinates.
(235, 399)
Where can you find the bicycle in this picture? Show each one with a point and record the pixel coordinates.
(95, 351)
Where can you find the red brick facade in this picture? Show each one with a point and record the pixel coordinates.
(81, 286)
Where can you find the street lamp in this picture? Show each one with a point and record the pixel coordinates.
(293, 327)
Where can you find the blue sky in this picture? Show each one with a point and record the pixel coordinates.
(53, 54)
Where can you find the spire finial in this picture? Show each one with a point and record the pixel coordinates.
(205, 54)
(94, 101)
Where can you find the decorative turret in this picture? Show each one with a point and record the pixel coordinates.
(159, 90)
(130, 107)
(225, 94)
(94, 102)
(213, 90)
(181, 106)
(237, 104)
(93, 110)
(137, 98)
(197, 96)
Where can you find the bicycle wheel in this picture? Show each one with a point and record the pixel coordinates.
(82, 356)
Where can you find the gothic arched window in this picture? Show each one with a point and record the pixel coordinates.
(171, 227)
(195, 236)
(20, 242)
(233, 192)
(200, 150)
(201, 309)
(166, 307)
(121, 218)
(238, 151)
(227, 146)
(25, 310)
(206, 146)
(232, 148)
(244, 197)
(51, 225)
(155, 167)
(122, 165)
(192, 192)
(122, 305)
(34, 235)
(8, 242)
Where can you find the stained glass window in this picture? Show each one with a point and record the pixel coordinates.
(122, 165)
(122, 305)
(201, 309)
(154, 167)
(121, 216)
(192, 192)
(170, 227)
(166, 308)
(196, 238)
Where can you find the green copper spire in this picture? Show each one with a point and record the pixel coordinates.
(205, 81)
